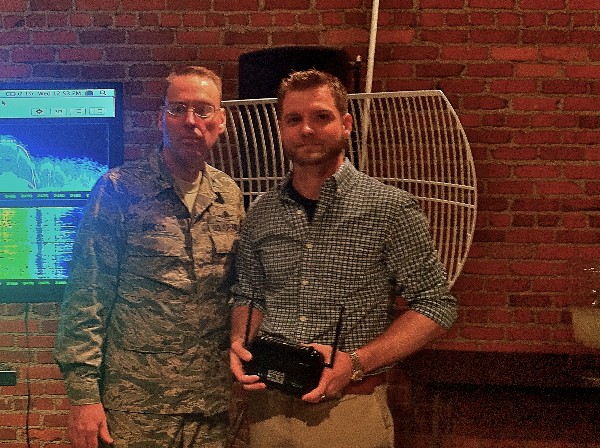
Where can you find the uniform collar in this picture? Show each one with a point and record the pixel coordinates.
(209, 191)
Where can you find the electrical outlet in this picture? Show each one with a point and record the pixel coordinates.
(8, 378)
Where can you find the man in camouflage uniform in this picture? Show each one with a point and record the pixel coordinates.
(143, 336)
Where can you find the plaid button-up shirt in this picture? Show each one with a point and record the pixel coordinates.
(366, 244)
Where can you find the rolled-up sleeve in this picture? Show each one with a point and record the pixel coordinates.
(421, 277)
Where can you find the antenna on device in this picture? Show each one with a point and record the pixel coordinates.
(336, 341)
(248, 322)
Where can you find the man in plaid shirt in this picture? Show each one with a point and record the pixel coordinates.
(331, 236)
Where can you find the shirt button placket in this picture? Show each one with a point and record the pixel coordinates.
(305, 291)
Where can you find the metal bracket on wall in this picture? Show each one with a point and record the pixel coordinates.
(8, 378)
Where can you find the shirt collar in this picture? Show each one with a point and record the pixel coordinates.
(344, 175)
(341, 180)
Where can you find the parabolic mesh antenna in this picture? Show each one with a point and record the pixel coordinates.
(411, 139)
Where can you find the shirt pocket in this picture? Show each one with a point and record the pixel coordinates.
(156, 238)
(223, 229)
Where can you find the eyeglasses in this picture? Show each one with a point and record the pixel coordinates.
(202, 110)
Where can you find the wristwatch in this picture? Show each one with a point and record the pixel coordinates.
(357, 369)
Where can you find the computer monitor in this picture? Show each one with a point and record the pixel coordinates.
(56, 140)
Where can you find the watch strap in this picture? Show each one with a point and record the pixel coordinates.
(358, 372)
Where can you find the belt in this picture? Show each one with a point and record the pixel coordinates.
(367, 385)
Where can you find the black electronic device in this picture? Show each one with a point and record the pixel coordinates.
(291, 368)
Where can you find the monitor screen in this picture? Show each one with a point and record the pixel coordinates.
(56, 140)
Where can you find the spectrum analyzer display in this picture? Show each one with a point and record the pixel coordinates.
(55, 142)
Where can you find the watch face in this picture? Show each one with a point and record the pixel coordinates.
(357, 375)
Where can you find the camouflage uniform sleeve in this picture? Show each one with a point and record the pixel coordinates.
(249, 275)
(89, 295)
(230, 271)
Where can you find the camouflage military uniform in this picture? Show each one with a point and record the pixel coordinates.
(144, 322)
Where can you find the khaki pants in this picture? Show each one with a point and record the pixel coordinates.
(134, 430)
(354, 421)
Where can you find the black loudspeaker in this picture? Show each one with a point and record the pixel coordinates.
(261, 71)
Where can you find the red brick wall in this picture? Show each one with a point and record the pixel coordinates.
(523, 75)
